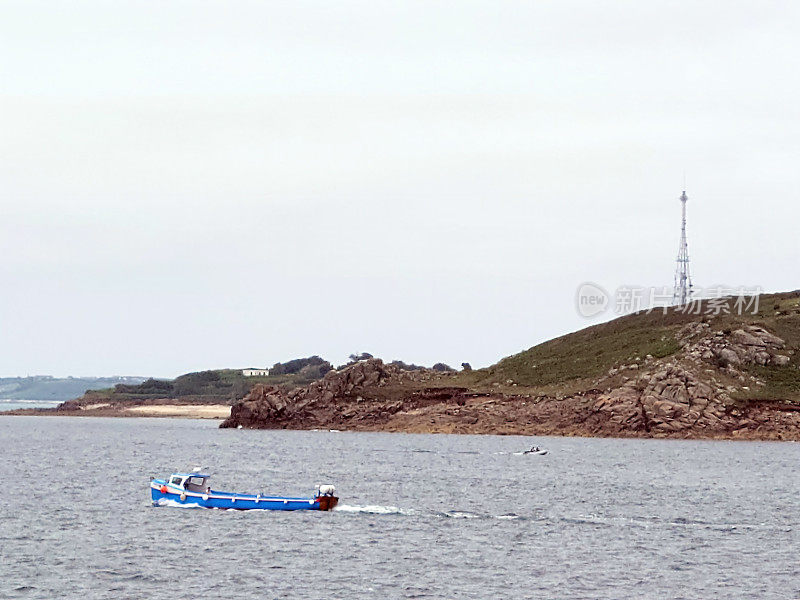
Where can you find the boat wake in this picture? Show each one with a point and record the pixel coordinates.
(461, 514)
(375, 509)
(465, 514)
(647, 522)
(174, 504)
(372, 509)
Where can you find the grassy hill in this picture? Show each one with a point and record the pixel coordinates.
(575, 361)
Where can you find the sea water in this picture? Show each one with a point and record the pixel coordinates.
(7, 404)
(420, 516)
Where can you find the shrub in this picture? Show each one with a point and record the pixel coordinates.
(149, 386)
(406, 367)
(298, 364)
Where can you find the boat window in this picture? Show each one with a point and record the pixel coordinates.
(196, 481)
(176, 481)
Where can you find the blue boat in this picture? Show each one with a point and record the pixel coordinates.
(194, 490)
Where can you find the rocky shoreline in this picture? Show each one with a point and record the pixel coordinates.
(676, 376)
(663, 400)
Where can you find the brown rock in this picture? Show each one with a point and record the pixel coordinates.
(746, 339)
(728, 355)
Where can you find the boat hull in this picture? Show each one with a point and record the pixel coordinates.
(163, 494)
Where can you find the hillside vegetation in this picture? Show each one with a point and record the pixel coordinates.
(220, 386)
(575, 361)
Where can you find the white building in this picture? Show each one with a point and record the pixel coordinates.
(255, 372)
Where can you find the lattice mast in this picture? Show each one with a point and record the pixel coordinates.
(683, 280)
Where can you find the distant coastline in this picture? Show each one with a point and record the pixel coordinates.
(57, 389)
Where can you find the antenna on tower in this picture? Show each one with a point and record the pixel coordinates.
(683, 280)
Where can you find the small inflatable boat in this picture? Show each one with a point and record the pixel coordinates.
(536, 451)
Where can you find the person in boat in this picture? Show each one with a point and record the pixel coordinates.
(534, 449)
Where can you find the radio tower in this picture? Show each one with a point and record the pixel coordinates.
(683, 281)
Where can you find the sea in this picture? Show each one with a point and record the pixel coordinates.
(7, 404)
(420, 516)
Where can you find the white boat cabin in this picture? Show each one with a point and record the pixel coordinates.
(193, 482)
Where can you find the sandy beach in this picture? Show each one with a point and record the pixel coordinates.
(189, 411)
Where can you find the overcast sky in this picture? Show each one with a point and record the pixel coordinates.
(193, 185)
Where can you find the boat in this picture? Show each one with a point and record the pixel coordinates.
(194, 490)
(536, 451)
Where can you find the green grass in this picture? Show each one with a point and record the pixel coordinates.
(575, 358)
(584, 354)
(781, 383)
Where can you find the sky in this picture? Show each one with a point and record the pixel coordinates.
(195, 185)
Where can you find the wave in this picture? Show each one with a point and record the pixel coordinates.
(41, 402)
(174, 504)
(465, 514)
(377, 509)
(461, 514)
(372, 509)
(22, 400)
(647, 522)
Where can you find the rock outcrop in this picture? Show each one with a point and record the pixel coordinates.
(675, 397)
(320, 403)
(690, 394)
(684, 397)
(668, 400)
(752, 345)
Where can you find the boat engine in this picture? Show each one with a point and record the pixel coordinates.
(326, 490)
